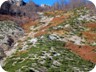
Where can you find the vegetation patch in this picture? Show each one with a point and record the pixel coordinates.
(47, 55)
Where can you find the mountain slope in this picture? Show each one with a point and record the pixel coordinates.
(57, 41)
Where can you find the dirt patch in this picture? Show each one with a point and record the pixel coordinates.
(89, 36)
(58, 32)
(27, 26)
(40, 33)
(56, 21)
(86, 52)
(91, 25)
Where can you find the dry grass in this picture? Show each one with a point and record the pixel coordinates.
(21, 52)
(40, 33)
(27, 26)
(58, 13)
(5, 17)
(55, 22)
(58, 32)
(54, 13)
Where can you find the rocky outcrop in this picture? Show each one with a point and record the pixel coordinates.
(5, 8)
(2, 54)
(17, 2)
(20, 9)
(9, 34)
(10, 41)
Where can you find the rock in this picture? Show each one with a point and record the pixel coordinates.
(17, 2)
(5, 7)
(2, 54)
(43, 69)
(77, 40)
(10, 41)
(10, 32)
(56, 63)
(54, 37)
(33, 41)
(51, 37)
(5, 47)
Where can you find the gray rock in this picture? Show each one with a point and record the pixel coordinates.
(9, 34)
(2, 54)
(10, 41)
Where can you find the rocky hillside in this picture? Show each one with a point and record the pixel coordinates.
(9, 34)
(58, 41)
(22, 10)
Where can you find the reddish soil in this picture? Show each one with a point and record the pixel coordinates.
(89, 35)
(17, 19)
(40, 33)
(55, 22)
(91, 25)
(59, 32)
(86, 52)
(27, 26)
(21, 52)
(5, 17)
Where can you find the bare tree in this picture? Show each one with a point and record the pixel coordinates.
(59, 5)
(62, 4)
(77, 3)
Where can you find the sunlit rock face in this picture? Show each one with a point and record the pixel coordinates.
(16, 2)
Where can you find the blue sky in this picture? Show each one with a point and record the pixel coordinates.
(49, 2)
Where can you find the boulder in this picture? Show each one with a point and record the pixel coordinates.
(5, 7)
(10, 41)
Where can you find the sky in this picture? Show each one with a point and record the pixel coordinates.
(48, 2)
(51, 2)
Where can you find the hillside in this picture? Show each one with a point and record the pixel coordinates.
(58, 41)
(9, 34)
(57, 38)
